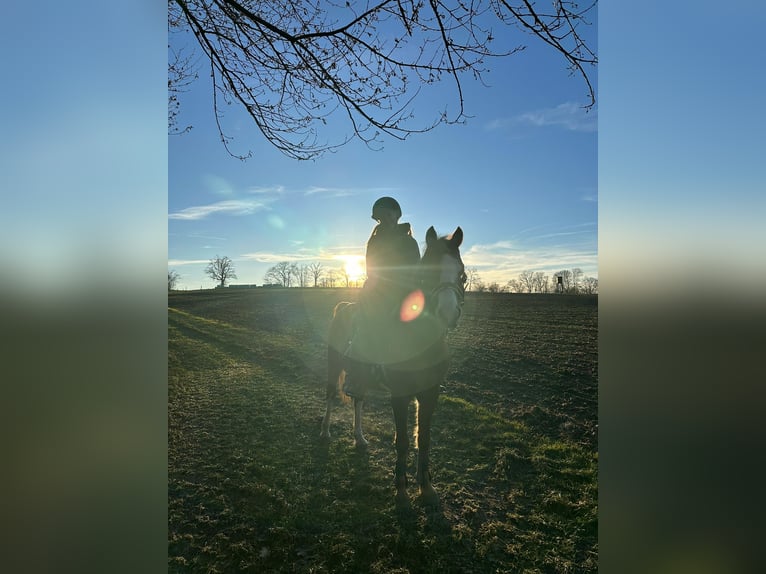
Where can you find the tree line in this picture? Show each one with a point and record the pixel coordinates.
(292, 274)
(567, 281)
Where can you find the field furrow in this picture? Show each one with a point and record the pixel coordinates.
(252, 488)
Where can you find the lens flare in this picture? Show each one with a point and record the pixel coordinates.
(412, 306)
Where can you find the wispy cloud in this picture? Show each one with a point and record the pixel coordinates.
(210, 237)
(565, 234)
(180, 262)
(217, 185)
(570, 116)
(272, 190)
(345, 192)
(324, 255)
(227, 207)
(540, 232)
(588, 193)
(331, 191)
(504, 260)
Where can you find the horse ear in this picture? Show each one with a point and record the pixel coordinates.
(430, 235)
(457, 237)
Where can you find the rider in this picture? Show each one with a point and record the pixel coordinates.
(392, 258)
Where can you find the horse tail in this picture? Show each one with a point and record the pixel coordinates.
(336, 375)
(337, 344)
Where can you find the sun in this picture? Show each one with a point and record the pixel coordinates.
(353, 266)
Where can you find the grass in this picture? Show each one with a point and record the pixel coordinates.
(252, 488)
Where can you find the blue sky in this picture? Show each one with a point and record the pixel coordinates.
(520, 178)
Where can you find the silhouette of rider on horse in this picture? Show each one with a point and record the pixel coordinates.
(392, 260)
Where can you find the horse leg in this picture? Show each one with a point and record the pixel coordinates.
(357, 373)
(426, 402)
(359, 441)
(334, 371)
(400, 406)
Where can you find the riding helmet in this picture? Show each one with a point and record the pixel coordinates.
(386, 203)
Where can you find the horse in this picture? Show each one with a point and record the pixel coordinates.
(416, 358)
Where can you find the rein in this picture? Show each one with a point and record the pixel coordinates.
(457, 287)
(459, 290)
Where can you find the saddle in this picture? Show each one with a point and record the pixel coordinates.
(381, 346)
(379, 336)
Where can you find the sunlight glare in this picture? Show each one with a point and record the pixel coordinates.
(412, 306)
(353, 265)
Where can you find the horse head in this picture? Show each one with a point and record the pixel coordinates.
(443, 276)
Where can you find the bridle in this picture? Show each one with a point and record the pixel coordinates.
(457, 287)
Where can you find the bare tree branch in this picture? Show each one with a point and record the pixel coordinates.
(294, 66)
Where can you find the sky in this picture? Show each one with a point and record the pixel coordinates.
(520, 179)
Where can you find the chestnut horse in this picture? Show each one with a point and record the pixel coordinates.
(412, 355)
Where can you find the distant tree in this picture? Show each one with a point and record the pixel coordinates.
(173, 279)
(303, 275)
(577, 276)
(472, 278)
(296, 65)
(343, 272)
(590, 285)
(539, 281)
(513, 286)
(221, 269)
(479, 286)
(315, 271)
(332, 277)
(527, 281)
(279, 274)
(494, 287)
(294, 275)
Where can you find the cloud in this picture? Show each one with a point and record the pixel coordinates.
(201, 236)
(570, 116)
(331, 191)
(179, 262)
(217, 185)
(274, 190)
(304, 255)
(343, 192)
(227, 207)
(565, 234)
(504, 260)
(478, 248)
(271, 257)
